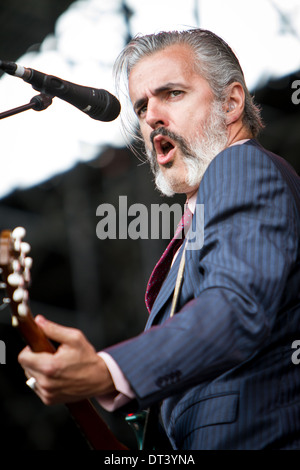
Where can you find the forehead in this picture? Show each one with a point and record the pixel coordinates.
(173, 64)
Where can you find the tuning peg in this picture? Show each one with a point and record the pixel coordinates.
(16, 266)
(18, 233)
(28, 262)
(25, 248)
(14, 321)
(27, 277)
(22, 310)
(19, 294)
(15, 279)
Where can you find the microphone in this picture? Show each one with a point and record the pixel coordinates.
(97, 103)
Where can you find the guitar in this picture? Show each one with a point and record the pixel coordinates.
(15, 267)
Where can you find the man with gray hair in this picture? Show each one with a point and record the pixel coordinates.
(217, 368)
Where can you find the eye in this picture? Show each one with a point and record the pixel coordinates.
(175, 93)
(142, 110)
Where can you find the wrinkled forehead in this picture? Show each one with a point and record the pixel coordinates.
(172, 64)
(175, 52)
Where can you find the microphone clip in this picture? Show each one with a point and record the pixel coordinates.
(37, 103)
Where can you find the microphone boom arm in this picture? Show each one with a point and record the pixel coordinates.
(37, 103)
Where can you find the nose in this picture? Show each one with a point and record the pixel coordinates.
(156, 114)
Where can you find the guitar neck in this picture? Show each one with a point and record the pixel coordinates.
(96, 432)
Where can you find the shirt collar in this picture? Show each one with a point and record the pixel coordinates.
(191, 202)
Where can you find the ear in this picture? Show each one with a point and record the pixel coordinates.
(235, 102)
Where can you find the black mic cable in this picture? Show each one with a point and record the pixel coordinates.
(97, 103)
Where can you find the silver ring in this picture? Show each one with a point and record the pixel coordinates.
(31, 383)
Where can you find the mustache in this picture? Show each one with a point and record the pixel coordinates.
(176, 138)
(180, 142)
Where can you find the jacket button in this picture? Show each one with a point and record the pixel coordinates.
(168, 379)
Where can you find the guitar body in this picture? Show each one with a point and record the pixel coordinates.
(15, 271)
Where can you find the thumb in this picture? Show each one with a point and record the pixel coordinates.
(54, 331)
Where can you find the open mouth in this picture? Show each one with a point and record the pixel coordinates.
(164, 149)
(166, 146)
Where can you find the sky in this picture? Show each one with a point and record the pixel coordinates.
(89, 35)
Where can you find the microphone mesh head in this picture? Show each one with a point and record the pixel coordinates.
(107, 107)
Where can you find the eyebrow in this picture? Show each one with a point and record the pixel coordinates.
(168, 86)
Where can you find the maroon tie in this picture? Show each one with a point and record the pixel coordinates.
(162, 267)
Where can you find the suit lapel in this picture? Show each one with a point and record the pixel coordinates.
(166, 291)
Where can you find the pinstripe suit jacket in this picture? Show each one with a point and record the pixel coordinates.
(222, 365)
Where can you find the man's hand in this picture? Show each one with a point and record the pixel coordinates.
(74, 372)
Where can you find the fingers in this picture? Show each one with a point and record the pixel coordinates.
(56, 332)
(43, 386)
(37, 364)
(72, 350)
(72, 372)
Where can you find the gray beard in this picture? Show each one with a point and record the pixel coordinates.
(198, 152)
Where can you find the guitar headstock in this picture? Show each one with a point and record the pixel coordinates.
(15, 267)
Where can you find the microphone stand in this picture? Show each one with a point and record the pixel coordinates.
(37, 103)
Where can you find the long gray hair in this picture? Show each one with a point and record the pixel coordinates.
(214, 60)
